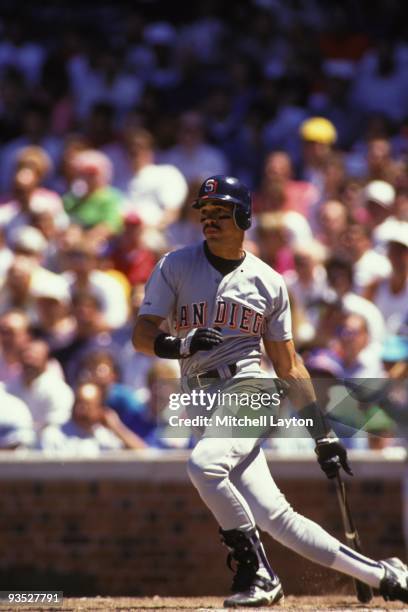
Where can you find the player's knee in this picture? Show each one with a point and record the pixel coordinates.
(201, 470)
(277, 524)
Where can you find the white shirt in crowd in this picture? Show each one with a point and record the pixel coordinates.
(297, 227)
(16, 423)
(109, 292)
(367, 365)
(356, 304)
(72, 439)
(305, 295)
(48, 398)
(394, 307)
(369, 268)
(155, 189)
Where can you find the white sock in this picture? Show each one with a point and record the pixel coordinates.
(358, 566)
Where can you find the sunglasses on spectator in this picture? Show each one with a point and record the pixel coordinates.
(344, 332)
(78, 255)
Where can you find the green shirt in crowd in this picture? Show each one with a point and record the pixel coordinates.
(102, 206)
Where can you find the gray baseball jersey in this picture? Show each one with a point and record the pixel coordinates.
(248, 303)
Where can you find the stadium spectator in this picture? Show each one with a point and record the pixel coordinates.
(47, 396)
(91, 201)
(32, 165)
(324, 364)
(272, 237)
(394, 352)
(139, 57)
(42, 219)
(91, 333)
(16, 423)
(332, 224)
(15, 290)
(356, 358)
(19, 49)
(35, 127)
(54, 322)
(91, 429)
(307, 282)
(14, 335)
(388, 212)
(297, 228)
(80, 261)
(73, 144)
(340, 280)
(101, 133)
(128, 253)
(380, 84)
(379, 198)
(368, 265)
(101, 368)
(132, 364)
(151, 420)
(380, 164)
(335, 101)
(25, 274)
(297, 195)
(186, 229)
(107, 80)
(391, 295)
(318, 137)
(156, 191)
(334, 176)
(192, 155)
(164, 75)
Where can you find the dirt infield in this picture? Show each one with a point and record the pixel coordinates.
(337, 603)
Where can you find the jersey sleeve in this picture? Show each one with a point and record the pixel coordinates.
(160, 292)
(279, 323)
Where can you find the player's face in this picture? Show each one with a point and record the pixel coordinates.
(217, 221)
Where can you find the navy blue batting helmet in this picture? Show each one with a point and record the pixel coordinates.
(231, 191)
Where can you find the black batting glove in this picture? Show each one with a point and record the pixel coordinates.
(200, 339)
(331, 456)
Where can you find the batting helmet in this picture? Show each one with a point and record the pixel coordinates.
(231, 191)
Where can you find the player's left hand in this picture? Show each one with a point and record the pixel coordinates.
(331, 456)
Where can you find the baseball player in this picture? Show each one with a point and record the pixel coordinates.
(220, 302)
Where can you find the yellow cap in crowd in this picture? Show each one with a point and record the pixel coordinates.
(318, 129)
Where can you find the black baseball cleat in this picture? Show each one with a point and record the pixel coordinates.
(394, 585)
(252, 586)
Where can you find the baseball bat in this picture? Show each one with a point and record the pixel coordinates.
(363, 591)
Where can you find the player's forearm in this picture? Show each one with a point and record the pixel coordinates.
(300, 386)
(302, 395)
(144, 336)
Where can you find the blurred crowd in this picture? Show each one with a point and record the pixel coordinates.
(109, 121)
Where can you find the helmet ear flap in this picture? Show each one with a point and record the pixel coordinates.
(242, 218)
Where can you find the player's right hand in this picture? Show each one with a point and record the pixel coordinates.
(200, 339)
(332, 455)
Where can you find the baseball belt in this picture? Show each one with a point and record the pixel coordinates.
(201, 380)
